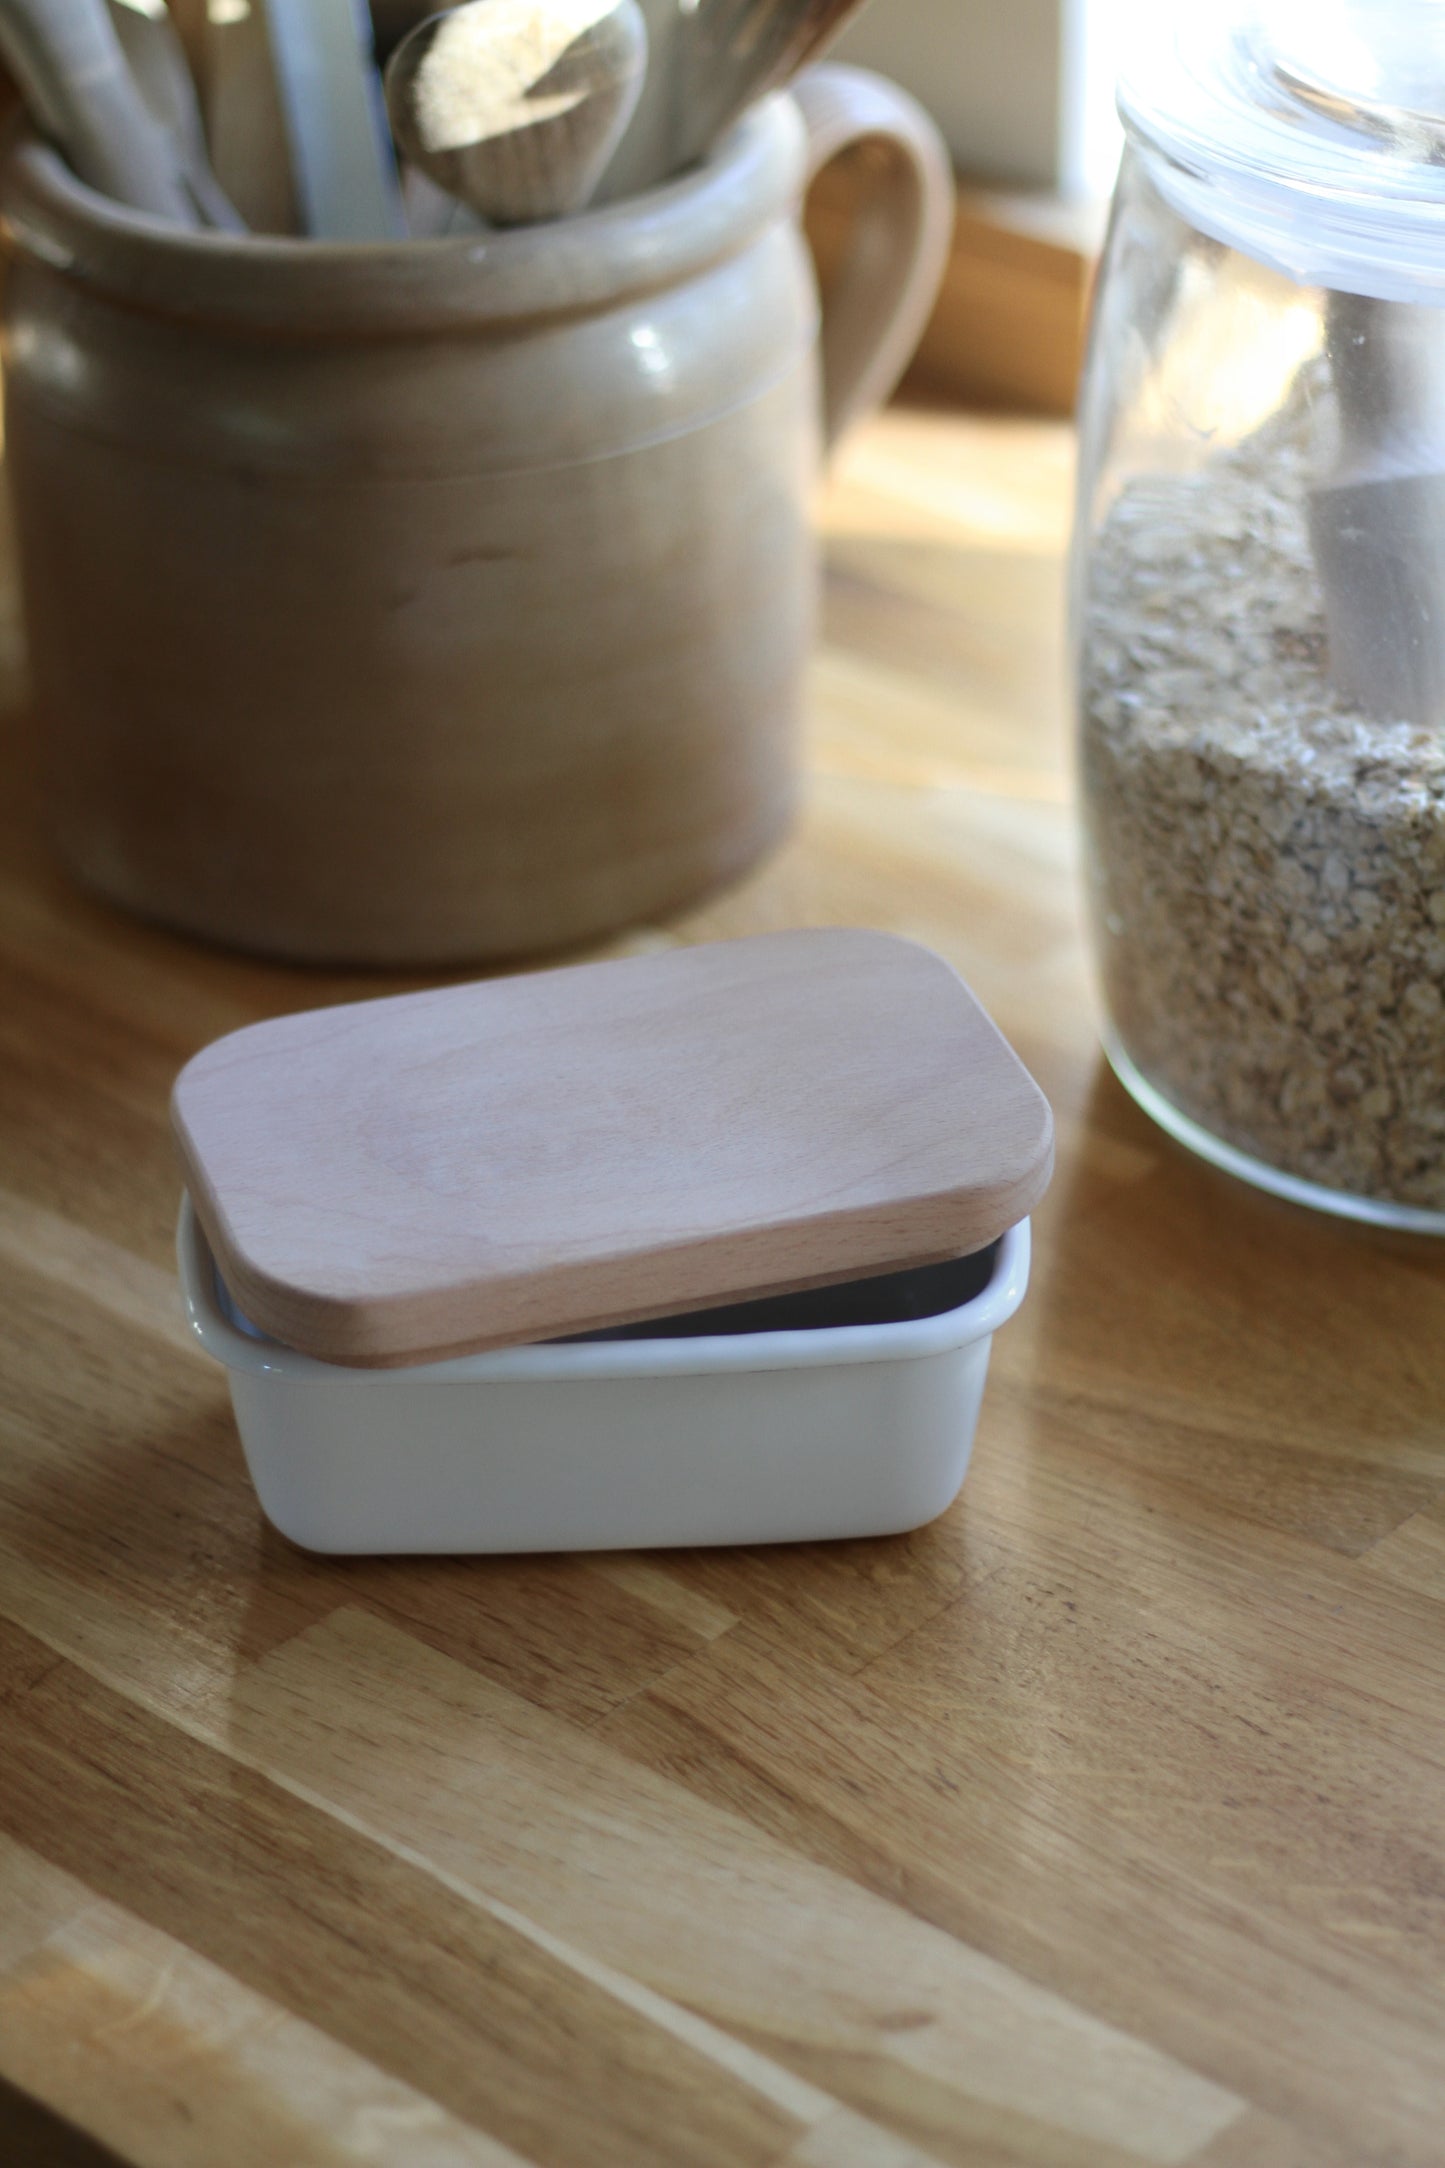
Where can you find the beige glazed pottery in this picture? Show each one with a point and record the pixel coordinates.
(441, 601)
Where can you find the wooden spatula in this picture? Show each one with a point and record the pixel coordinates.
(341, 153)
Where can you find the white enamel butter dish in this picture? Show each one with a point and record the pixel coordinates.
(825, 1429)
(698, 1247)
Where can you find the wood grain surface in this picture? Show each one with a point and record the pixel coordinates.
(1102, 1822)
(523, 1158)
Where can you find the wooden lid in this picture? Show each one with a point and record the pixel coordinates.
(400, 1180)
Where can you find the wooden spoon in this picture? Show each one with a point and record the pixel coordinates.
(516, 106)
(735, 52)
(67, 60)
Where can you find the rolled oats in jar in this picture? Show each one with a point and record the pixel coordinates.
(1259, 607)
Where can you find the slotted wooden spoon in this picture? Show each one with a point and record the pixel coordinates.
(516, 106)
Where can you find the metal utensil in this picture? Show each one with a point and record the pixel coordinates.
(157, 60)
(516, 106)
(341, 154)
(67, 60)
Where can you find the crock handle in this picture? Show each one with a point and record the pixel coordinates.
(884, 290)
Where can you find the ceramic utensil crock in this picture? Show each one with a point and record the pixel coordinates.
(443, 600)
(818, 1424)
(810, 1155)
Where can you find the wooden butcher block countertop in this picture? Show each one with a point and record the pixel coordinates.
(1102, 1822)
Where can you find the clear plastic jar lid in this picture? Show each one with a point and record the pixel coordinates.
(1308, 133)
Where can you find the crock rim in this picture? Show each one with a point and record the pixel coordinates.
(277, 283)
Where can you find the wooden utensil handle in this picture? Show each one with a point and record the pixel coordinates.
(885, 289)
(67, 59)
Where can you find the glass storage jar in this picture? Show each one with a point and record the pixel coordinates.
(1259, 600)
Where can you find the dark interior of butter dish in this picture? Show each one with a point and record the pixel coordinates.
(892, 1298)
